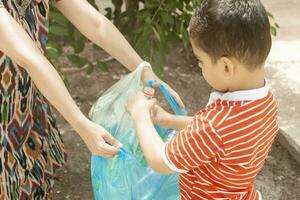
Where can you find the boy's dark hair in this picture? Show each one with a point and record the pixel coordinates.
(232, 28)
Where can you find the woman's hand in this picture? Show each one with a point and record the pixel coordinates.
(98, 140)
(149, 75)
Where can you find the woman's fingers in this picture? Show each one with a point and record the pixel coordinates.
(110, 145)
(111, 140)
(109, 150)
(105, 155)
(106, 150)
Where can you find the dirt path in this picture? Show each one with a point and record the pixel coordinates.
(279, 179)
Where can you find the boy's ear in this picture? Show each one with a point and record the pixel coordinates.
(228, 66)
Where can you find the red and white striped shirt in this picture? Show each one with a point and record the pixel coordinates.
(220, 153)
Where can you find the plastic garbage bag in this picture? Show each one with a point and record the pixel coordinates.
(128, 177)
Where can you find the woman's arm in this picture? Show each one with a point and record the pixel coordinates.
(97, 28)
(100, 31)
(17, 44)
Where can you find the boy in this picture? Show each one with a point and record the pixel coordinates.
(223, 147)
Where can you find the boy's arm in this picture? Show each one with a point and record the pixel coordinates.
(177, 122)
(197, 144)
(163, 118)
(151, 143)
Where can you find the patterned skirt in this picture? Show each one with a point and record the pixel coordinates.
(31, 148)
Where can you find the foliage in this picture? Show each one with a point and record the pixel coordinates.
(274, 25)
(151, 26)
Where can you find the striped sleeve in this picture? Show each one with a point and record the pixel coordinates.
(196, 145)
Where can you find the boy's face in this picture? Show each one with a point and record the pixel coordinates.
(213, 72)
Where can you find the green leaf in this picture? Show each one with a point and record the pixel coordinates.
(78, 46)
(144, 13)
(76, 35)
(96, 47)
(167, 19)
(273, 31)
(102, 66)
(89, 68)
(108, 13)
(80, 62)
(58, 30)
(158, 69)
(66, 81)
(53, 7)
(54, 45)
(186, 36)
(151, 4)
(52, 53)
(171, 6)
(58, 18)
(270, 15)
(73, 58)
(156, 33)
(77, 41)
(53, 50)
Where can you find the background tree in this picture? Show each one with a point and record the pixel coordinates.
(151, 26)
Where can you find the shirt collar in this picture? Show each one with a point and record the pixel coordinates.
(241, 95)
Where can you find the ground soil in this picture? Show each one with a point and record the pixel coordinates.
(279, 179)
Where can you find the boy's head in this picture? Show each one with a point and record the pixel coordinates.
(230, 34)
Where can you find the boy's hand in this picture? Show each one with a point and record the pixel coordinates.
(148, 75)
(160, 116)
(139, 104)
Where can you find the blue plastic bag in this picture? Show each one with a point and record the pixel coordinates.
(128, 177)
